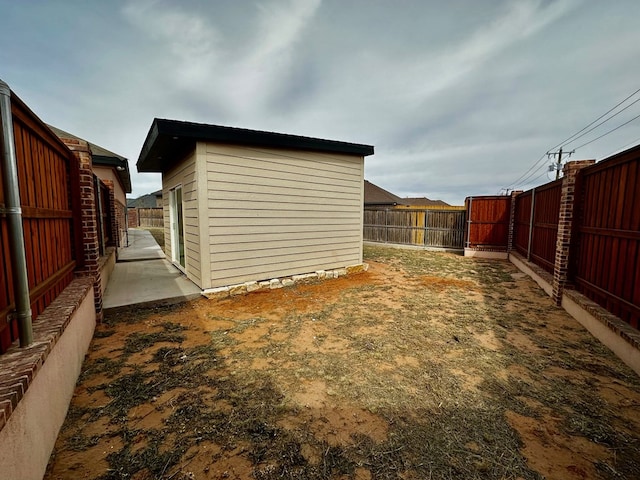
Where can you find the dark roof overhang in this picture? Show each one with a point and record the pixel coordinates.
(168, 141)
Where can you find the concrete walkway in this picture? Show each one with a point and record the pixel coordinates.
(143, 276)
(142, 246)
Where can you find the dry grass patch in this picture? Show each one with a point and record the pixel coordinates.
(427, 366)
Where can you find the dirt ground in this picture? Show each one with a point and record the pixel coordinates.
(429, 365)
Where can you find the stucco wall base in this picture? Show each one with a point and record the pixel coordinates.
(624, 350)
(494, 255)
(275, 283)
(26, 441)
(541, 277)
(107, 264)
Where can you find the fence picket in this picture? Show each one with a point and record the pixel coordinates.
(45, 168)
(421, 227)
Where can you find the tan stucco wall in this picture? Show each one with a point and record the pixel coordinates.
(108, 173)
(26, 441)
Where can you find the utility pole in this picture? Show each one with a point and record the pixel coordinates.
(558, 165)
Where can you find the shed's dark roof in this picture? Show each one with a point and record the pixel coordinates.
(374, 195)
(169, 140)
(103, 157)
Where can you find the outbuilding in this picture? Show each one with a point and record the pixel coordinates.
(247, 206)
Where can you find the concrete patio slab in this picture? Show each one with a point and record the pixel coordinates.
(149, 281)
(144, 276)
(142, 246)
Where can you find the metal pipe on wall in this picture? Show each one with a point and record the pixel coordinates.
(13, 211)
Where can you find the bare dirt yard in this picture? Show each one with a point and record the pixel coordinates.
(429, 365)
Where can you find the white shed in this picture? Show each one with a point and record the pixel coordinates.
(245, 205)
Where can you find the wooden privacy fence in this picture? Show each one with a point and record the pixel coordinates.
(487, 222)
(150, 217)
(583, 229)
(606, 258)
(49, 193)
(535, 228)
(422, 227)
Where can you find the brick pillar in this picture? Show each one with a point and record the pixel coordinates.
(133, 217)
(565, 224)
(114, 242)
(512, 219)
(81, 150)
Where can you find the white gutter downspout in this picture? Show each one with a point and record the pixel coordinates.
(14, 220)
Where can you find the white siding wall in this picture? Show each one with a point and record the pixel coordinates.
(184, 174)
(274, 213)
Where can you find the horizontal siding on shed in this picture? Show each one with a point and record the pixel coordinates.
(230, 243)
(278, 213)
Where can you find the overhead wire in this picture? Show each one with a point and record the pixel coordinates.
(619, 149)
(526, 176)
(607, 133)
(544, 174)
(521, 178)
(564, 142)
(601, 123)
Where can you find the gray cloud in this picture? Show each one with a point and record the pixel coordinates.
(459, 98)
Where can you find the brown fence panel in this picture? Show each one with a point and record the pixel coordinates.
(606, 263)
(488, 222)
(522, 223)
(420, 227)
(150, 217)
(45, 172)
(546, 213)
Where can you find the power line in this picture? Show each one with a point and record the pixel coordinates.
(562, 143)
(607, 133)
(633, 142)
(604, 121)
(545, 174)
(524, 175)
(527, 174)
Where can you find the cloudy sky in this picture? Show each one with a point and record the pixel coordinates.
(458, 97)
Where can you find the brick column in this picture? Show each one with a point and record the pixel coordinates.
(512, 219)
(132, 213)
(81, 150)
(565, 224)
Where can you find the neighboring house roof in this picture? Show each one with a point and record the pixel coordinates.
(374, 195)
(169, 141)
(424, 202)
(150, 200)
(103, 157)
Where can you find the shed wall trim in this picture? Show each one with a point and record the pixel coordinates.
(185, 174)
